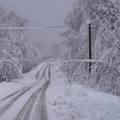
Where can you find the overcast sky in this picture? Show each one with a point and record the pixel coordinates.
(42, 13)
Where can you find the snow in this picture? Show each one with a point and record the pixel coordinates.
(24, 99)
(74, 102)
(21, 96)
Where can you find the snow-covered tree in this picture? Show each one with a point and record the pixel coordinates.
(104, 17)
(9, 70)
(13, 42)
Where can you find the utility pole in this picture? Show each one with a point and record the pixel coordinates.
(90, 48)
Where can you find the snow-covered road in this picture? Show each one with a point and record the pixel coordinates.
(27, 99)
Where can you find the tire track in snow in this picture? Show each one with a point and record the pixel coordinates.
(26, 112)
(4, 105)
(16, 92)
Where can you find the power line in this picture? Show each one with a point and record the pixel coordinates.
(33, 27)
(80, 60)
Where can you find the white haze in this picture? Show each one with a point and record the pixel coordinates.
(42, 13)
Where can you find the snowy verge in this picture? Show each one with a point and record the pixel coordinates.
(74, 102)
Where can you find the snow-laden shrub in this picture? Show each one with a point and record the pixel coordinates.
(105, 78)
(9, 71)
(102, 77)
(81, 74)
(112, 56)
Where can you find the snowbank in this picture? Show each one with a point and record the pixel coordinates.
(73, 102)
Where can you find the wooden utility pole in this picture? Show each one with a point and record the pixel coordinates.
(90, 48)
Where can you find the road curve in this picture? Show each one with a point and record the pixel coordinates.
(28, 102)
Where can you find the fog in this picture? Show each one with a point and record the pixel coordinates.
(42, 13)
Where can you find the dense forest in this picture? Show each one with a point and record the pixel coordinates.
(104, 18)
